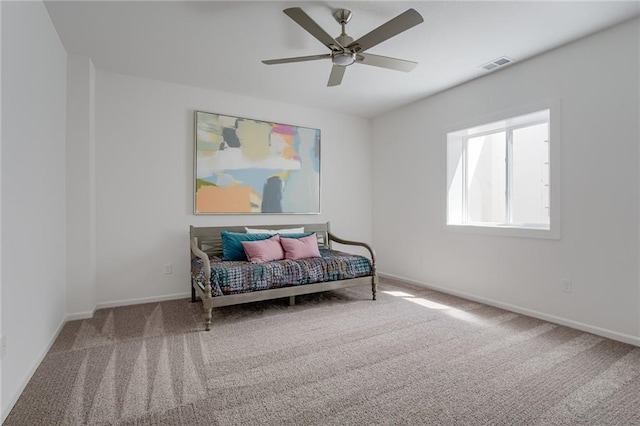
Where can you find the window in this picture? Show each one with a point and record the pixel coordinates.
(499, 176)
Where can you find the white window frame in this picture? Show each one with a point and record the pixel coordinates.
(514, 230)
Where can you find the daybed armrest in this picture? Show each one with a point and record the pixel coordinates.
(374, 272)
(356, 243)
(207, 266)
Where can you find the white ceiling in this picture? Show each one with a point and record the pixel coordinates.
(219, 45)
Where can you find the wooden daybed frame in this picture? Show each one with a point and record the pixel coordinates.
(206, 241)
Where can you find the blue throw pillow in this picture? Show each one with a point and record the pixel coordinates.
(232, 244)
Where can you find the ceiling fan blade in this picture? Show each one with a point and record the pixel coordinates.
(386, 62)
(391, 28)
(335, 78)
(311, 27)
(296, 59)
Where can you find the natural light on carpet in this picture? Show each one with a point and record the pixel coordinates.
(398, 293)
(451, 311)
(417, 300)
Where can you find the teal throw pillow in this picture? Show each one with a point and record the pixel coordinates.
(232, 244)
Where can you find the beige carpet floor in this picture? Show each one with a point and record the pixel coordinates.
(415, 356)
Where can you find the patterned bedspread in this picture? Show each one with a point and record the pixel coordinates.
(230, 277)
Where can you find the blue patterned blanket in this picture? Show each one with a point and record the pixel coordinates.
(233, 277)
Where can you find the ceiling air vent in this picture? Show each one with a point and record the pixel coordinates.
(496, 63)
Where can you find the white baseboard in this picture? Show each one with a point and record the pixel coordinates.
(626, 338)
(14, 398)
(80, 315)
(141, 300)
(125, 302)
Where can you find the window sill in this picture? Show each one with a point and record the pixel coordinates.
(506, 231)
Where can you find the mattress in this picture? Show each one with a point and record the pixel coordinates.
(235, 277)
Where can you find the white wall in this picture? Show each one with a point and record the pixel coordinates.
(33, 190)
(1, 405)
(81, 188)
(144, 179)
(638, 120)
(597, 79)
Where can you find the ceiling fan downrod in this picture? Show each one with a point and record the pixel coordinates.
(343, 57)
(342, 16)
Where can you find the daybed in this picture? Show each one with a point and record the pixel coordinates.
(234, 282)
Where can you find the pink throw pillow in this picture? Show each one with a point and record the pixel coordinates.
(300, 248)
(264, 250)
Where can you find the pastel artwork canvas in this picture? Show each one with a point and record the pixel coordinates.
(251, 166)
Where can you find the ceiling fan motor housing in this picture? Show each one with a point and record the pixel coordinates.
(345, 56)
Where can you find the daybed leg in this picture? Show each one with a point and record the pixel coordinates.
(207, 303)
(193, 294)
(292, 300)
(374, 286)
(207, 318)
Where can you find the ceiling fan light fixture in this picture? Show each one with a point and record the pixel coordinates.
(343, 59)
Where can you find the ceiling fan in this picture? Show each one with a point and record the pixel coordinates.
(344, 50)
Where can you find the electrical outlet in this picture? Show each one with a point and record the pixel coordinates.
(567, 286)
(168, 268)
(3, 346)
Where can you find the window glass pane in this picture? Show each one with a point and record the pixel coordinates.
(486, 178)
(455, 212)
(530, 165)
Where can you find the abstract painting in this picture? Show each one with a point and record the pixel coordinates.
(251, 166)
